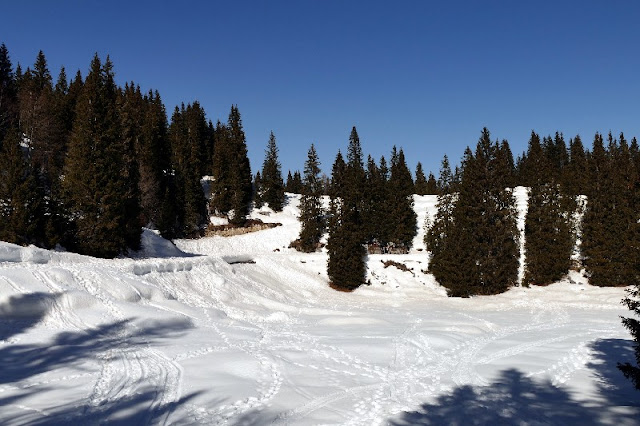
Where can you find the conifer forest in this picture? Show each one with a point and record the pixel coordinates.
(88, 167)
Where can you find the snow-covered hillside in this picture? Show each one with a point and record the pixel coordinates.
(244, 330)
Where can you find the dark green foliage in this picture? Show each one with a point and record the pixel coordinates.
(610, 238)
(548, 234)
(376, 204)
(272, 188)
(188, 136)
(576, 173)
(347, 266)
(401, 213)
(8, 94)
(257, 190)
(294, 183)
(421, 181)
(19, 198)
(131, 111)
(311, 210)
(94, 175)
(338, 172)
(232, 188)
(474, 238)
(432, 185)
(632, 301)
(446, 178)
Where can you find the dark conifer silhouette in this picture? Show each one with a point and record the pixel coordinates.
(311, 211)
(272, 186)
(94, 169)
(421, 181)
(474, 239)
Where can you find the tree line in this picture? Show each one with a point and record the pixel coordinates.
(86, 164)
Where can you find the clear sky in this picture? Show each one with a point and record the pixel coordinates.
(423, 75)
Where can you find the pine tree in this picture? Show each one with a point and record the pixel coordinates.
(93, 172)
(421, 181)
(311, 210)
(272, 185)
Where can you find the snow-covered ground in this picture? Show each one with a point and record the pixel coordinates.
(243, 330)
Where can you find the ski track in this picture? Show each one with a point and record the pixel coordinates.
(419, 357)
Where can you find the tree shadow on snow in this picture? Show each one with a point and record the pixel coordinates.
(21, 312)
(22, 364)
(514, 398)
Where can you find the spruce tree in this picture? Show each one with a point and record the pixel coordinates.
(474, 239)
(610, 239)
(432, 185)
(446, 178)
(94, 175)
(240, 169)
(220, 202)
(347, 256)
(311, 211)
(272, 185)
(401, 213)
(576, 173)
(421, 181)
(19, 198)
(257, 190)
(632, 301)
(8, 93)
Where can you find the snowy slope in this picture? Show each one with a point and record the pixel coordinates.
(243, 330)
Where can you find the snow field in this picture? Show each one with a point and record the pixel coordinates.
(244, 330)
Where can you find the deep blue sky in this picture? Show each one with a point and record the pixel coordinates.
(426, 76)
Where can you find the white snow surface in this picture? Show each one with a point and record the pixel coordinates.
(244, 330)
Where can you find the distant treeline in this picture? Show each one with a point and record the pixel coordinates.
(86, 164)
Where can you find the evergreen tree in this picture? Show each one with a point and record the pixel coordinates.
(576, 173)
(474, 239)
(401, 213)
(311, 210)
(610, 238)
(548, 234)
(297, 184)
(131, 112)
(432, 185)
(446, 177)
(272, 185)
(632, 301)
(8, 93)
(257, 190)
(288, 186)
(187, 133)
(338, 175)
(347, 256)
(421, 181)
(19, 198)
(375, 205)
(94, 175)
(240, 169)
(221, 171)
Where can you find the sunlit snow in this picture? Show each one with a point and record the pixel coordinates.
(244, 330)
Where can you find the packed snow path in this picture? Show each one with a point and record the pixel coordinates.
(243, 330)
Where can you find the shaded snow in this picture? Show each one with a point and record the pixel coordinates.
(244, 330)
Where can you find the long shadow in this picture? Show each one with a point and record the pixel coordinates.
(21, 312)
(71, 350)
(514, 398)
